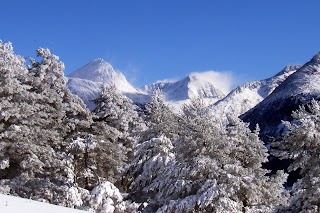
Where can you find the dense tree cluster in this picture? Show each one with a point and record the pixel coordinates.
(302, 145)
(121, 158)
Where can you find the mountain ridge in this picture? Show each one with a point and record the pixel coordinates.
(248, 95)
(298, 89)
(86, 82)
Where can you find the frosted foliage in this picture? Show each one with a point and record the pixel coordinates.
(106, 198)
(119, 117)
(150, 159)
(116, 109)
(95, 160)
(199, 132)
(216, 170)
(49, 71)
(82, 145)
(37, 114)
(12, 70)
(301, 144)
(160, 119)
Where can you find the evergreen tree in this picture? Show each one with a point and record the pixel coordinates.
(37, 118)
(14, 110)
(301, 144)
(12, 97)
(153, 152)
(115, 109)
(216, 170)
(96, 158)
(150, 160)
(160, 119)
(118, 112)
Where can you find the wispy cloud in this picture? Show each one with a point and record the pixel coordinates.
(224, 80)
(168, 80)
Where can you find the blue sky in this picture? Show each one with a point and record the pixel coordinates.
(149, 40)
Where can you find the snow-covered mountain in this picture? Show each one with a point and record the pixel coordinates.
(245, 97)
(101, 71)
(86, 82)
(195, 85)
(299, 88)
(87, 90)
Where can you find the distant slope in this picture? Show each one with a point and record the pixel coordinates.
(299, 88)
(245, 97)
(11, 204)
(87, 90)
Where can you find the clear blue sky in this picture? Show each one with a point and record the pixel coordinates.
(150, 40)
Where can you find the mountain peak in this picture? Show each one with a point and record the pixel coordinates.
(288, 69)
(316, 58)
(98, 70)
(194, 85)
(99, 60)
(101, 65)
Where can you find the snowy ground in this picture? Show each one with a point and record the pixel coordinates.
(11, 204)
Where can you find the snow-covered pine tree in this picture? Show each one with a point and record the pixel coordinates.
(53, 114)
(118, 116)
(38, 114)
(150, 160)
(216, 170)
(48, 81)
(154, 150)
(89, 150)
(96, 157)
(160, 119)
(117, 111)
(301, 144)
(13, 101)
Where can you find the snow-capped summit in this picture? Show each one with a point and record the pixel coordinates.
(288, 70)
(205, 85)
(246, 96)
(316, 58)
(177, 93)
(298, 89)
(87, 81)
(101, 71)
(192, 86)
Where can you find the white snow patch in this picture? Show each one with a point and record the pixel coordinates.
(13, 204)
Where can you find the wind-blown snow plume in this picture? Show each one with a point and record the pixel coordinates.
(224, 81)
